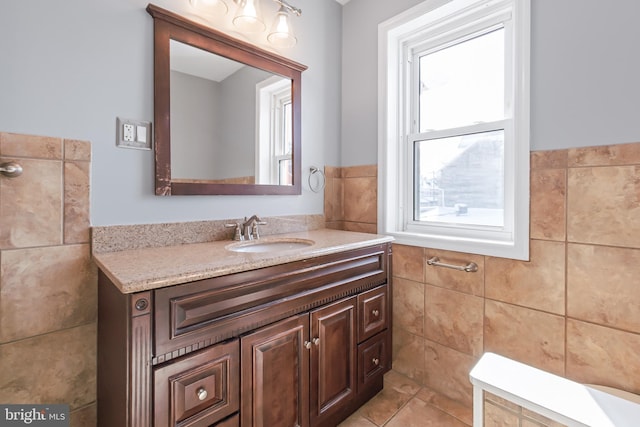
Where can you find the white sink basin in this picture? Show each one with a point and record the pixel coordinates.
(272, 245)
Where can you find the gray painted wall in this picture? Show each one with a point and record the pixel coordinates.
(193, 102)
(239, 116)
(360, 19)
(585, 84)
(70, 67)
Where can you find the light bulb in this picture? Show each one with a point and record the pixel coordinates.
(248, 17)
(281, 34)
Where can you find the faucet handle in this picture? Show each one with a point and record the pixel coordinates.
(237, 235)
(255, 234)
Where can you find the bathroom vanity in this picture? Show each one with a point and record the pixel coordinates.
(288, 330)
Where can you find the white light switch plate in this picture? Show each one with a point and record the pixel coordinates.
(133, 134)
(141, 133)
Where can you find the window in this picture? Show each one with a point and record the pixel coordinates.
(454, 134)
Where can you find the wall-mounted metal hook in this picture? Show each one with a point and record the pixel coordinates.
(10, 169)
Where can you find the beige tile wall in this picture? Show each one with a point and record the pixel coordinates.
(573, 309)
(351, 195)
(48, 283)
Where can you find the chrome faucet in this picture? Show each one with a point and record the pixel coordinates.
(247, 230)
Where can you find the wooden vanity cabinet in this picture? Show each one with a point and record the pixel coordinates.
(306, 370)
(298, 344)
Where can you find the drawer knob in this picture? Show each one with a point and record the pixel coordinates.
(316, 341)
(202, 393)
(142, 304)
(307, 345)
(375, 361)
(375, 313)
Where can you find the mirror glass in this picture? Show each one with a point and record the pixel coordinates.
(230, 122)
(226, 112)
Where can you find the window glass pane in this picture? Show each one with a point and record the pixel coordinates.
(285, 173)
(460, 179)
(287, 128)
(463, 84)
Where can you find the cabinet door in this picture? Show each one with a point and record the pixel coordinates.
(233, 421)
(275, 375)
(333, 360)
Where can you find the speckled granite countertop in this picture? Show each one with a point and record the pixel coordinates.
(151, 268)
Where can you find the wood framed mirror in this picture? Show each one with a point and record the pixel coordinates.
(227, 113)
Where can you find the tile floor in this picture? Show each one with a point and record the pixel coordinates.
(404, 403)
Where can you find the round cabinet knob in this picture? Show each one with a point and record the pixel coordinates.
(316, 341)
(375, 313)
(142, 304)
(202, 393)
(307, 345)
(375, 361)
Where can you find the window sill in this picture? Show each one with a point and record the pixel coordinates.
(501, 249)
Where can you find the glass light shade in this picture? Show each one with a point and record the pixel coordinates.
(210, 7)
(248, 17)
(281, 35)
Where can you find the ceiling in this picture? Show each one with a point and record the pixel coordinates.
(197, 62)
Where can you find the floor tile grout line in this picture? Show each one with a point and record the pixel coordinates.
(398, 411)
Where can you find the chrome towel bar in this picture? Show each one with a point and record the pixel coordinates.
(472, 267)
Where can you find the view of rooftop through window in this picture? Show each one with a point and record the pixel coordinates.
(459, 155)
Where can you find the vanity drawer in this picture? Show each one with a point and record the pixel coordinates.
(372, 312)
(372, 360)
(200, 389)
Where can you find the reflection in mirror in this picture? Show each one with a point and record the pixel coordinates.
(230, 123)
(227, 113)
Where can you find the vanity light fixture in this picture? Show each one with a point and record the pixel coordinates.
(248, 18)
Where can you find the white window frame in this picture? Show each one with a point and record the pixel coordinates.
(446, 19)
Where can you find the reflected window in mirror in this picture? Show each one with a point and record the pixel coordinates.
(274, 141)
